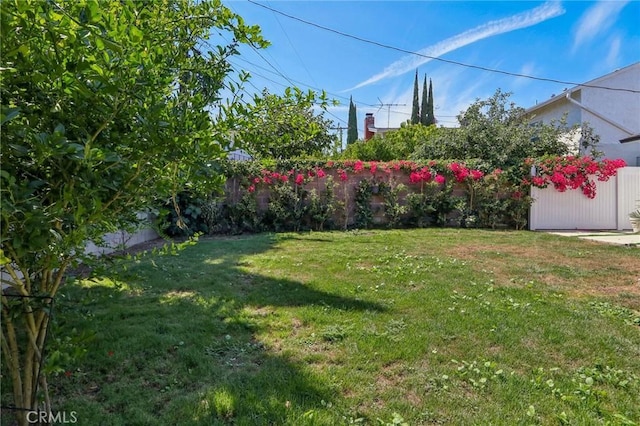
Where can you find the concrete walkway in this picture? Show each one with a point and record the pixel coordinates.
(625, 238)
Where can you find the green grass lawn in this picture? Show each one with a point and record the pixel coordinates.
(433, 326)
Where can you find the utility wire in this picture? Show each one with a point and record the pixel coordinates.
(294, 48)
(435, 58)
(335, 95)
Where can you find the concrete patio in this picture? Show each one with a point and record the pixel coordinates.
(625, 238)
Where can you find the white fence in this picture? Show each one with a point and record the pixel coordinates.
(571, 210)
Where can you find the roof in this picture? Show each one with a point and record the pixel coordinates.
(634, 138)
(594, 82)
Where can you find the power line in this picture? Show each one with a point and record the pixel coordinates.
(435, 58)
(293, 47)
(335, 95)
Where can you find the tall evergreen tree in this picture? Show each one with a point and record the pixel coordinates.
(431, 118)
(424, 106)
(415, 111)
(352, 125)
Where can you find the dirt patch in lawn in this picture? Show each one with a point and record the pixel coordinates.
(593, 272)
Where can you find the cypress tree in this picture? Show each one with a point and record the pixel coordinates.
(424, 106)
(415, 111)
(431, 118)
(352, 125)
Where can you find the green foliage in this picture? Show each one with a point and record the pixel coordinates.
(424, 104)
(394, 209)
(415, 106)
(396, 145)
(363, 212)
(375, 149)
(322, 207)
(286, 126)
(423, 205)
(498, 202)
(287, 207)
(105, 108)
(431, 118)
(185, 215)
(497, 132)
(352, 124)
(242, 216)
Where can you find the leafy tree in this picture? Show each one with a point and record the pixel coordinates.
(352, 125)
(496, 131)
(430, 116)
(424, 105)
(415, 110)
(105, 106)
(395, 145)
(286, 126)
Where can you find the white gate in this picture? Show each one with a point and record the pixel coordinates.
(572, 210)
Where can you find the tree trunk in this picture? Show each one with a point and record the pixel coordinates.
(23, 339)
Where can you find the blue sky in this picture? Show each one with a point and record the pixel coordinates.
(570, 41)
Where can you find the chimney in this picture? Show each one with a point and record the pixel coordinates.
(368, 122)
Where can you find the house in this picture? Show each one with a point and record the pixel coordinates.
(370, 128)
(610, 105)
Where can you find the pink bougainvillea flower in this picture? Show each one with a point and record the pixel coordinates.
(373, 166)
(251, 188)
(330, 163)
(284, 178)
(299, 179)
(256, 180)
(476, 174)
(440, 179)
(415, 177)
(425, 174)
(320, 173)
(342, 174)
(358, 166)
(538, 181)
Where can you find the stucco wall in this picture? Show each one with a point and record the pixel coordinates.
(621, 107)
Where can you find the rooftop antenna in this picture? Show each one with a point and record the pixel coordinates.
(388, 109)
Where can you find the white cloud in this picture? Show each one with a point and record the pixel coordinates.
(614, 51)
(527, 69)
(521, 20)
(597, 20)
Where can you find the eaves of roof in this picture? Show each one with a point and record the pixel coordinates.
(634, 138)
(594, 82)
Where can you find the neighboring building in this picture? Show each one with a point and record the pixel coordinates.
(239, 155)
(370, 128)
(614, 115)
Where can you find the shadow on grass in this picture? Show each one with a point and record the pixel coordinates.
(178, 342)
